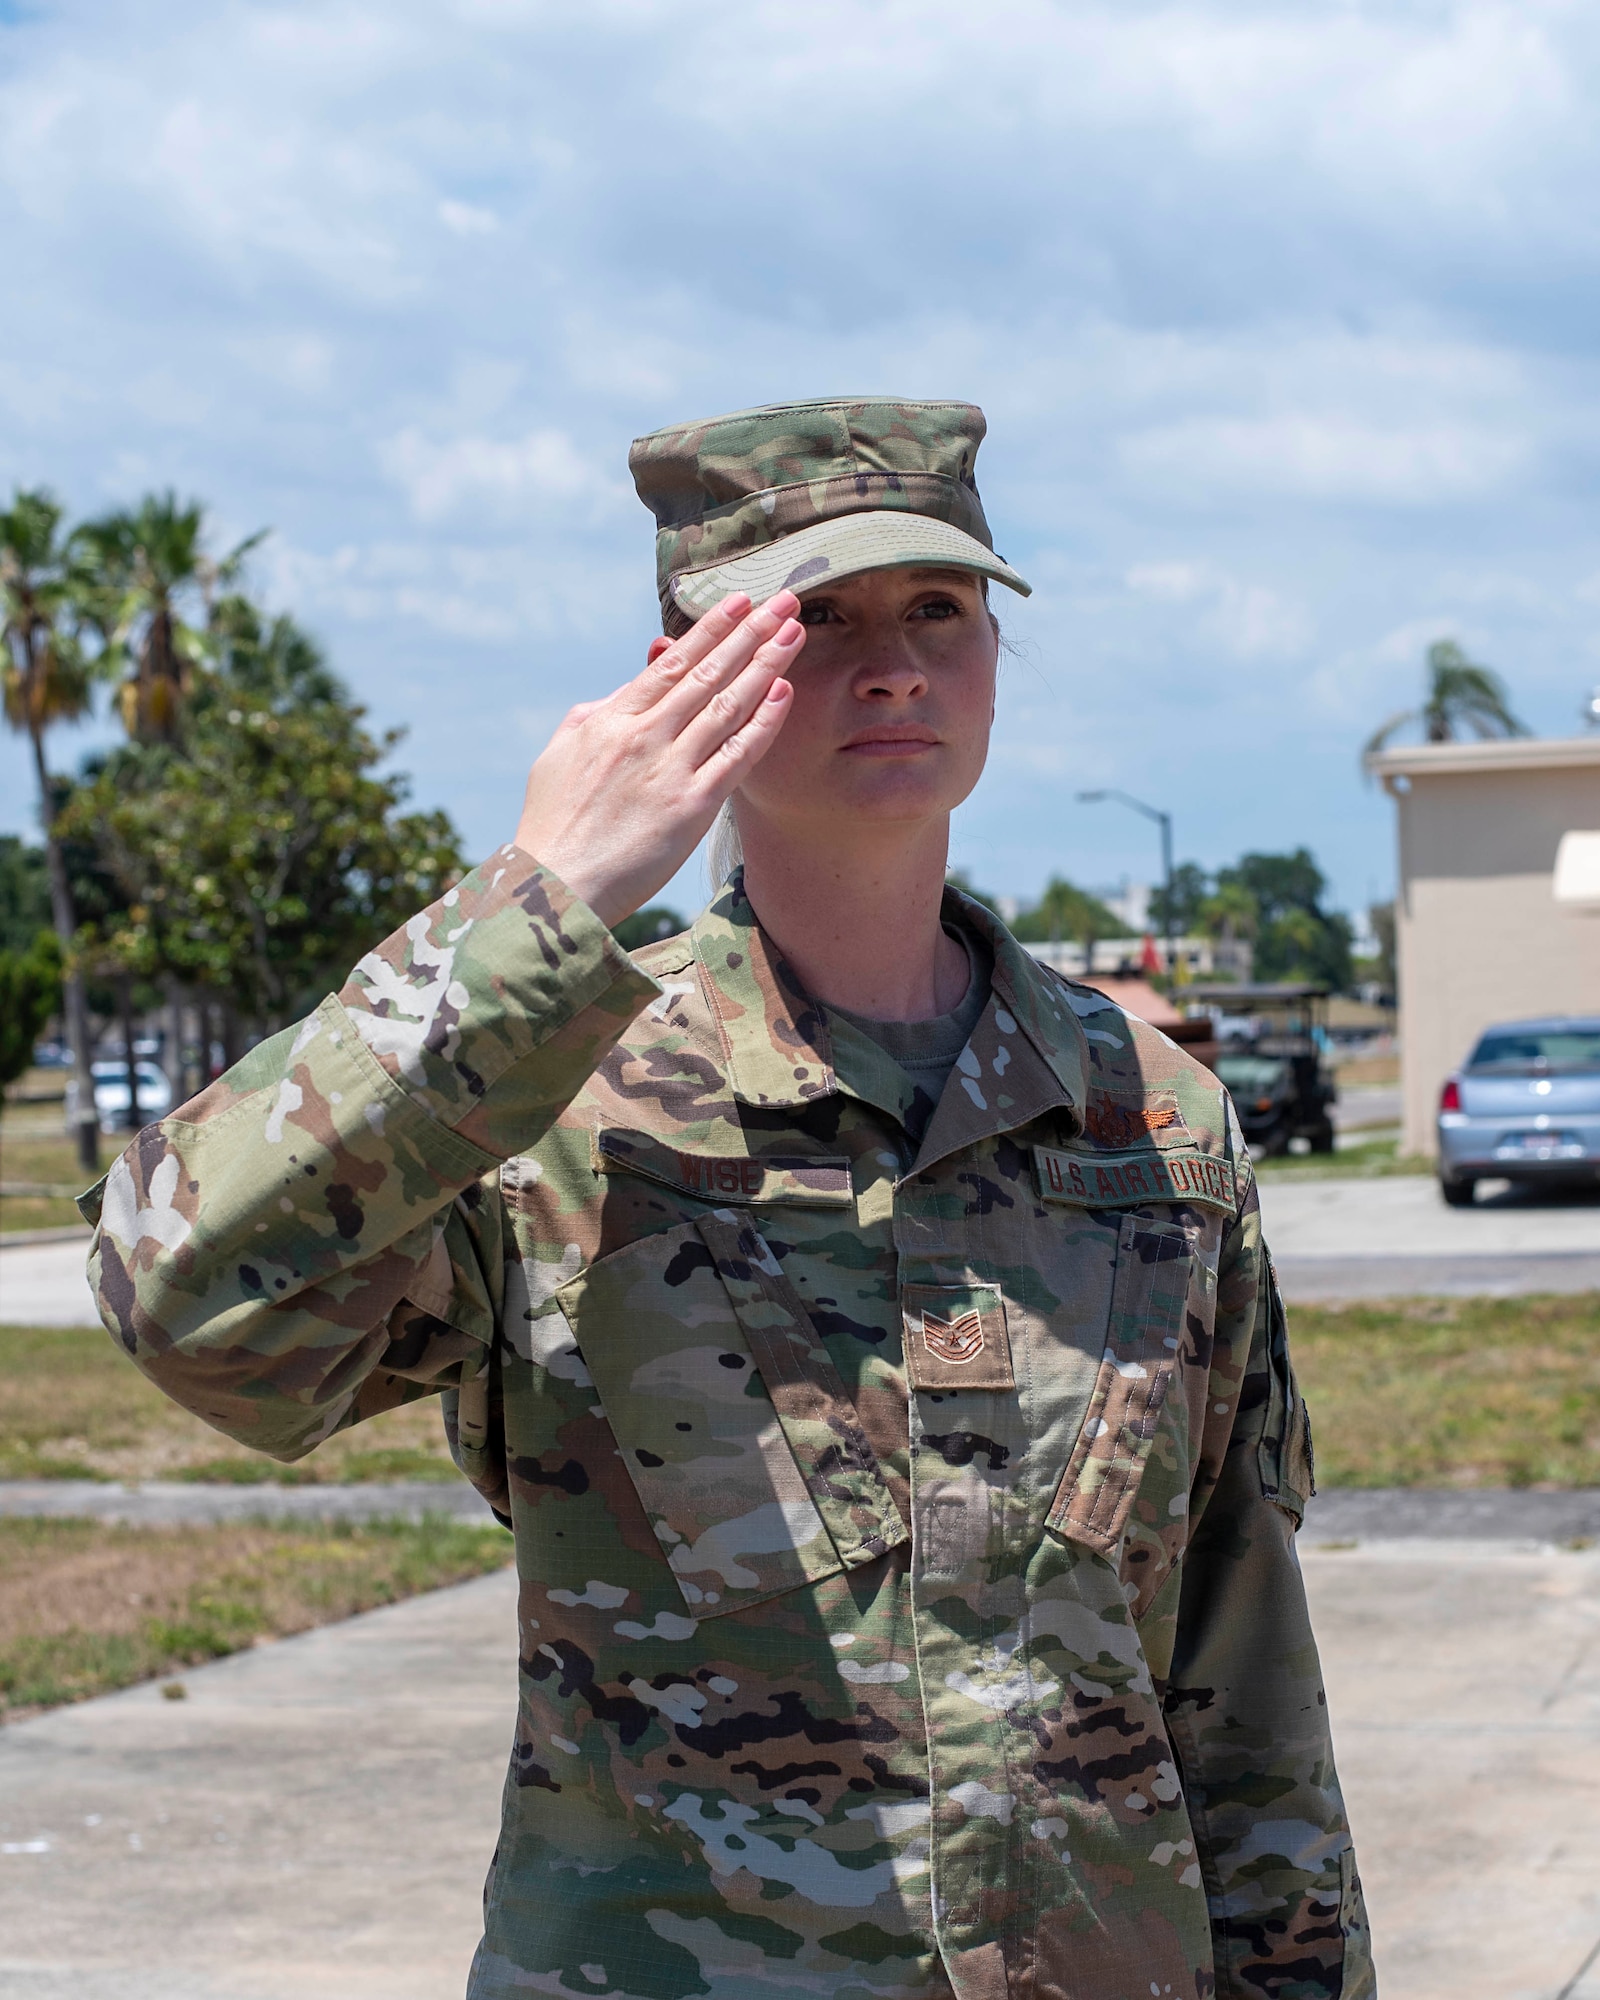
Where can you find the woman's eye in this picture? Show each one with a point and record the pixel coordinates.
(815, 614)
(938, 607)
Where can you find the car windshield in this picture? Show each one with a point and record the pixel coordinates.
(1248, 1075)
(1516, 1051)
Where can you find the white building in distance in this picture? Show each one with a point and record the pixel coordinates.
(1498, 912)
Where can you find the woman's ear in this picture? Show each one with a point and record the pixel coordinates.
(658, 646)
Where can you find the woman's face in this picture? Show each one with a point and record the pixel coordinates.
(893, 702)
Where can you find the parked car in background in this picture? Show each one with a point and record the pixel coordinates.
(1525, 1107)
(111, 1094)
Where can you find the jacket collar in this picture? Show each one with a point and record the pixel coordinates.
(1029, 1047)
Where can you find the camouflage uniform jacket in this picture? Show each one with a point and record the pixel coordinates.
(908, 1591)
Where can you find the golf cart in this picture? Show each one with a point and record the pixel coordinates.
(1272, 1042)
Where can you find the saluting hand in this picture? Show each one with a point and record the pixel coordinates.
(626, 787)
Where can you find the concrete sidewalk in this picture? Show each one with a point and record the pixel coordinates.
(313, 1822)
(1395, 1238)
(1482, 1514)
(43, 1284)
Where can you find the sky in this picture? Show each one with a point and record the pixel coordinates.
(1282, 316)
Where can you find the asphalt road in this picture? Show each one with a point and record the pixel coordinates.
(313, 1821)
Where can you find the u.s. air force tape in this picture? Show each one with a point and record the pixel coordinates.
(1088, 1182)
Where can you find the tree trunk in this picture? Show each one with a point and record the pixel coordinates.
(174, 1050)
(125, 1016)
(230, 1034)
(65, 920)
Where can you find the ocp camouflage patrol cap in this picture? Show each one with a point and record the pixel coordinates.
(781, 498)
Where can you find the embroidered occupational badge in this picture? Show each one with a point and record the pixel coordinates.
(1117, 1125)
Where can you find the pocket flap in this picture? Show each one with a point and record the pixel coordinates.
(1097, 1489)
(694, 1424)
(837, 1462)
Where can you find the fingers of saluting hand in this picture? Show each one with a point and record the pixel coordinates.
(731, 760)
(708, 658)
(724, 705)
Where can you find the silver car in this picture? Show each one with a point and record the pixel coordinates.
(1525, 1106)
(111, 1094)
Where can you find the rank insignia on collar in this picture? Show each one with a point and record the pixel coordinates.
(955, 1338)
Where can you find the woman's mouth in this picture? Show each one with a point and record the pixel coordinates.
(890, 743)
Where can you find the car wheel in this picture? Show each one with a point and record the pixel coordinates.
(1458, 1193)
(1322, 1137)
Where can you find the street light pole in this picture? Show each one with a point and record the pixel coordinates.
(1164, 821)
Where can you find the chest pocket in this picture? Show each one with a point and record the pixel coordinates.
(1143, 1338)
(729, 1414)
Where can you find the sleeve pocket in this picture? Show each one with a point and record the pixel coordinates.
(1149, 1290)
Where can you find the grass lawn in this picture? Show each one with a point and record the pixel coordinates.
(35, 1155)
(1411, 1392)
(1374, 1160)
(73, 1407)
(1453, 1392)
(86, 1607)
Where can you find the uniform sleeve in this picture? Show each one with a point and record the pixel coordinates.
(318, 1235)
(1245, 1703)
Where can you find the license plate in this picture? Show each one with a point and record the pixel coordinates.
(1540, 1146)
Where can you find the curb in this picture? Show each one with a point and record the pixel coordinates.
(174, 1503)
(68, 1232)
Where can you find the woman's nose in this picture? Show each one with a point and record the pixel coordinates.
(891, 669)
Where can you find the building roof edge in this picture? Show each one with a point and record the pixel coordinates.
(1514, 753)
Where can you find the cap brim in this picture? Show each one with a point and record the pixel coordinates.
(810, 557)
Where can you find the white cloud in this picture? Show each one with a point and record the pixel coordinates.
(540, 471)
(1247, 619)
(1328, 457)
(1281, 316)
(466, 220)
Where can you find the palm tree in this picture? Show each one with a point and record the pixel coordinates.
(141, 571)
(1460, 696)
(48, 681)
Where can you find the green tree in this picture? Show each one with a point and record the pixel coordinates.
(30, 992)
(1459, 696)
(263, 855)
(145, 577)
(1191, 886)
(645, 926)
(1295, 937)
(48, 681)
(1065, 911)
(24, 893)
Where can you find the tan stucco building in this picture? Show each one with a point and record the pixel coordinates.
(1482, 935)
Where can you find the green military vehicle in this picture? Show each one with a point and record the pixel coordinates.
(1275, 1069)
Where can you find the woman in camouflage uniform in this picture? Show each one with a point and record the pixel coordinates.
(866, 1332)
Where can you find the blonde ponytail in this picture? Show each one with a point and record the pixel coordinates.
(724, 851)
